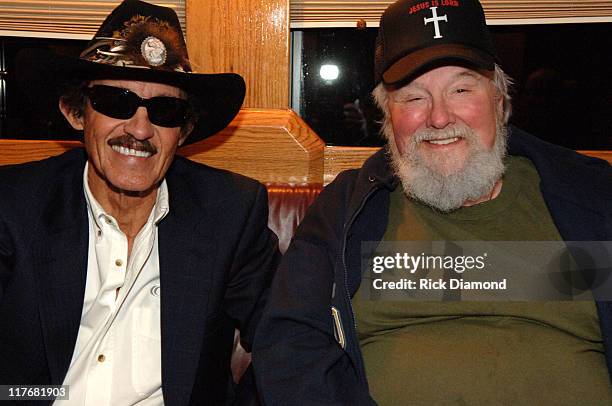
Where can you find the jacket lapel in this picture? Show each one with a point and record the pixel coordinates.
(589, 225)
(59, 257)
(580, 213)
(186, 256)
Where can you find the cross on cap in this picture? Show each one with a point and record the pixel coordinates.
(435, 19)
(406, 47)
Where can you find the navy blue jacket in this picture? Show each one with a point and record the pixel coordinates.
(216, 257)
(306, 348)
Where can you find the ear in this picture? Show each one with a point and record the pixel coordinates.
(499, 100)
(185, 133)
(75, 121)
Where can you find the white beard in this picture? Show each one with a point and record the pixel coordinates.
(446, 185)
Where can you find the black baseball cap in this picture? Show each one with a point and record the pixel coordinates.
(416, 35)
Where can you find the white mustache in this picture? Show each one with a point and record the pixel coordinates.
(442, 134)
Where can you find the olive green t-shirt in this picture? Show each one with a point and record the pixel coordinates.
(481, 353)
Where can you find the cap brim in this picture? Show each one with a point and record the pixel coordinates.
(418, 61)
(220, 95)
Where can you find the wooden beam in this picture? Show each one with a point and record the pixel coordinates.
(248, 37)
(338, 159)
(272, 146)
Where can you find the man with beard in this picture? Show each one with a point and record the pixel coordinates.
(452, 171)
(125, 270)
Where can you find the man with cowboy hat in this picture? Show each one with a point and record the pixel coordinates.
(453, 171)
(124, 270)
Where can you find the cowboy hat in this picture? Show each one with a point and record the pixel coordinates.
(144, 42)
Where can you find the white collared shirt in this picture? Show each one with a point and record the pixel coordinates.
(117, 357)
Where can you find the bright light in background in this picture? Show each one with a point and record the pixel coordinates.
(329, 72)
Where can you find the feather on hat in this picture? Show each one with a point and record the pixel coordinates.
(144, 42)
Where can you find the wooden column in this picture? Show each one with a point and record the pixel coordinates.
(249, 37)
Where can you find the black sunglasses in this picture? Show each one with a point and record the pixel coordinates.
(122, 104)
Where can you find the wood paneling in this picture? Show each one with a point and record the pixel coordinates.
(20, 151)
(272, 146)
(605, 155)
(338, 159)
(268, 145)
(249, 37)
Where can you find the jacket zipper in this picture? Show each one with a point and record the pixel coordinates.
(348, 296)
(338, 330)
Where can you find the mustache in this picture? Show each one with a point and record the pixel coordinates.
(128, 141)
(428, 134)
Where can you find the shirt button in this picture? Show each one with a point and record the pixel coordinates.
(118, 262)
(108, 221)
(101, 358)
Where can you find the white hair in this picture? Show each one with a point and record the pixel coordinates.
(448, 191)
(501, 81)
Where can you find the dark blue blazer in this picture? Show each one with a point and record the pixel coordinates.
(216, 257)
